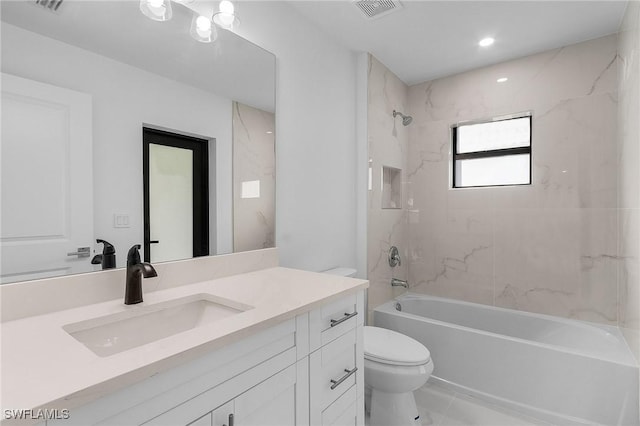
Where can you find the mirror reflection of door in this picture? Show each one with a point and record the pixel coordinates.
(176, 196)
(46, 180)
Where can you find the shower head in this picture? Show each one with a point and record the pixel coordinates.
(406, 119)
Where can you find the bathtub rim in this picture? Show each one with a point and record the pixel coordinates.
(535, 413)
(389, 307)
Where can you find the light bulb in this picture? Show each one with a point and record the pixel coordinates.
(226, 16)
(158, 10)
(202, 30)
(226, 7)
(203, 23)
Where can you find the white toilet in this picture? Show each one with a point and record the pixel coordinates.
(394, 366)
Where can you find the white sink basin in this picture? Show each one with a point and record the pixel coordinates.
(144, 324)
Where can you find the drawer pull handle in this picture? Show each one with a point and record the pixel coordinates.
(343, 319)
(336, 383)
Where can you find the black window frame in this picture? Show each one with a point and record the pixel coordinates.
(199, 148)
(491, 152)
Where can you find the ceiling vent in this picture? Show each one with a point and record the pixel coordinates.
(52, 5)
(374, 9)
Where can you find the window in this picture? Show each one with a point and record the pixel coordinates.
(492, 153)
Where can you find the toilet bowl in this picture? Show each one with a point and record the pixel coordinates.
(394, 366)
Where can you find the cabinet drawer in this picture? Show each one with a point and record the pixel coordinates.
(343, 412)
(331, 321)
(340, 312)
(335, 364)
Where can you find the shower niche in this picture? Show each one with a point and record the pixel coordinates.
(391, 188)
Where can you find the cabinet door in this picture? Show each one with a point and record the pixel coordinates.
(348, 418)
(221, 415)
(343, 412)
(187, 414)
(202, 421)
(271, 403)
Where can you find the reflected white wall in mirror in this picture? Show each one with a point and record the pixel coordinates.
(137, 73)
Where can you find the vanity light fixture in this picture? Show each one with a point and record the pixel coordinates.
(226, 17)
(502, 79)
(158, 10)
(203, 30)
(487, 41)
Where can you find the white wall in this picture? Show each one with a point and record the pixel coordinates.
(118, 117)
(315, 136)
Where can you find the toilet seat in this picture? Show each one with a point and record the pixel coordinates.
(393, 348)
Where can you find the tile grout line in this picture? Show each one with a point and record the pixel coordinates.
(446, 410)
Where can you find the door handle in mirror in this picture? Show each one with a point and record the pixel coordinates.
(82, 252)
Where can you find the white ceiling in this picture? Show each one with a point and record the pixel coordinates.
(430, 39)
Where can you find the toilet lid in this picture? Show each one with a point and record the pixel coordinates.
(390, 347)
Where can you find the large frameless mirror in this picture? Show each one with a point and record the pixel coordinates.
(91, 94)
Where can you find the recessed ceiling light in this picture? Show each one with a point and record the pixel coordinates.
(269, 132)
(488, 41)
(502, 79)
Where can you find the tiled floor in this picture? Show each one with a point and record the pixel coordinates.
(441, 406)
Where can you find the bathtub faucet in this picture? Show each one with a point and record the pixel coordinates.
(399, 283)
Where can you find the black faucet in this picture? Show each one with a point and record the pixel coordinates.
(108, 257)
(135, 271)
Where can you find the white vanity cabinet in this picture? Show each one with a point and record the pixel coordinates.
(307, 370)
(336, 363)
(270, 403)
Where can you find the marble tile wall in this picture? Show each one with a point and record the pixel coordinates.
(254, 160)
(629, 175)
(388, 146)
(551, 247)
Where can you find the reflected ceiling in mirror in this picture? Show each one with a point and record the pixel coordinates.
(231, 67)
(78, 87)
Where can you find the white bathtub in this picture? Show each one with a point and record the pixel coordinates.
(565, 371)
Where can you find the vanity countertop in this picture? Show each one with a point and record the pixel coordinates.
(45, 367)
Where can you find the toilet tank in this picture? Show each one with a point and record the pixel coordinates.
(343, 272)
